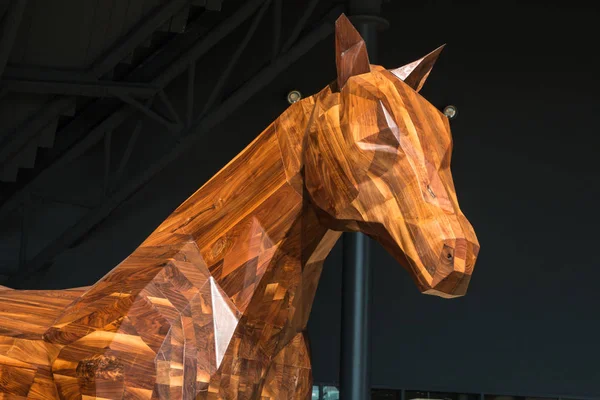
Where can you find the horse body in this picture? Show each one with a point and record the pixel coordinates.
(214, 303)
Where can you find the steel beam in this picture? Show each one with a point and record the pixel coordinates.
(216, 92)
(9, 27)
(27, 131)
(191, 86)
(54, 108)
(80, 88)
(92, 138)
(300, 25)
(133, 39)
(127, 154)
(4, 4)
(277, 17)
(167, 103)
(32, 73)
(268, 74)
(189, 138)
(202, 47)
(149, 113)
(24, 232)
(107, 156)
(78, 125)
(214, 5)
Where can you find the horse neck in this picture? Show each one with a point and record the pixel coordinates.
(250, 229)
(266, 169)
(258, 194)
(254, 214)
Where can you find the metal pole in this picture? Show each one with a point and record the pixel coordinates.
(356, 279)
(354, 368)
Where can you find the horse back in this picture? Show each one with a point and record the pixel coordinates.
(25, 358)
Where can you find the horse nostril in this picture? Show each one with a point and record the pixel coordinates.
(447, 256)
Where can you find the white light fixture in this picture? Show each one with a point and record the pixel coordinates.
(450, 111)
(294, 96)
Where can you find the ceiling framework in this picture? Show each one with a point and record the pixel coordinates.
(85, 107)
(9, 27)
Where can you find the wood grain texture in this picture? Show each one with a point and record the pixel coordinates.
(214, 303)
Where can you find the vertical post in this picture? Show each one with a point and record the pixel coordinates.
(356, 280)
(354, 368)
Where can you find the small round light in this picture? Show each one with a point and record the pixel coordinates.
(294, 96)
(450, 111)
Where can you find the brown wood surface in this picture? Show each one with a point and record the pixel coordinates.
(214, 303)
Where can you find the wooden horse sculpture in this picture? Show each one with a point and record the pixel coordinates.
(214, 303)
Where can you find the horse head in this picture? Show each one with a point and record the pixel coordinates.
(377, 160)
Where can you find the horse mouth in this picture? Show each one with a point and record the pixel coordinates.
(453, 285)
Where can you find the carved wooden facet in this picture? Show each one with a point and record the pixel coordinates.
(415, 73)
(350, 52)
(214, 303)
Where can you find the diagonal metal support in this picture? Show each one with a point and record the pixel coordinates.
(165, 100)
(216, 92)
(189, 137)
(92, 138)
(277, 10)
(191, 86)
(79, 88)
(200, 48)
(130, 144)
(45, 198)
(26, 132)
(107, 154)
(171, 126)
(127, 154)
(3, 7)
(9, 27)
(300, 25)
(26, 209)
(214, 5)
(29, 73)
(136, 36)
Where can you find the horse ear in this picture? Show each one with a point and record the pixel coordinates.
(415, 74)
(351, 56)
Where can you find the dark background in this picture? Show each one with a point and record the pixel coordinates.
(525, 79)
